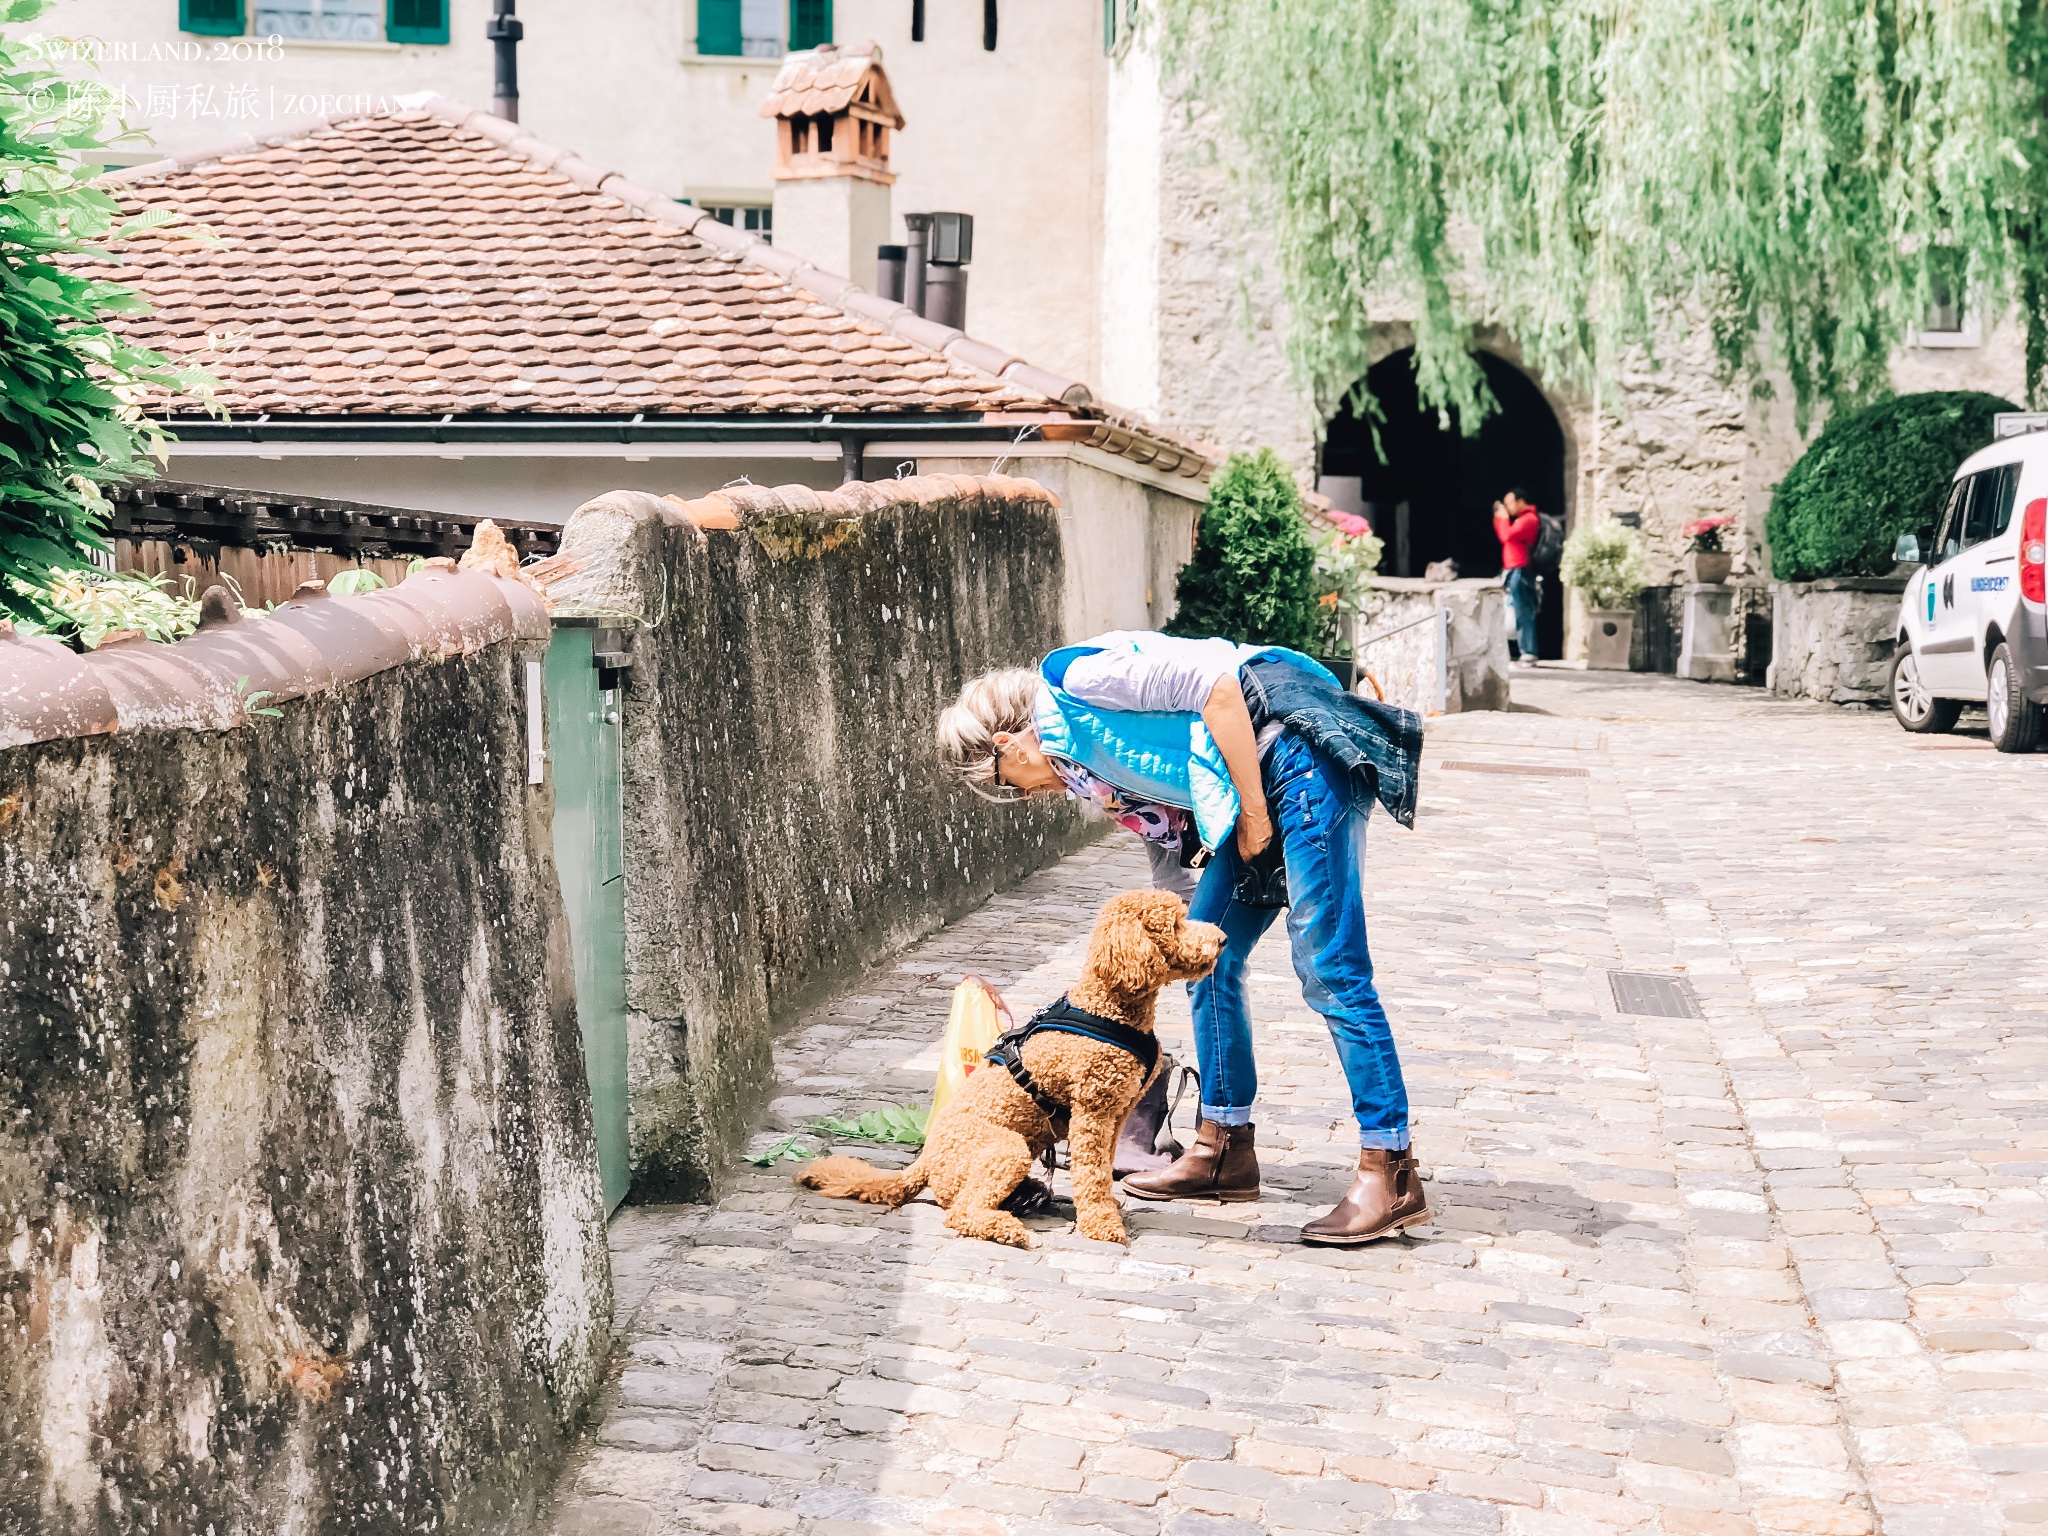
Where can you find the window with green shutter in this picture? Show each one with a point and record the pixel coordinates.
(212, 18)
(718, 26)
(417, 21)
(810, 23)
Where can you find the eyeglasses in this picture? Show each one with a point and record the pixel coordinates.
(997, 788)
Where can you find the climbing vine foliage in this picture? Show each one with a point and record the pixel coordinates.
(1804, 179)
(70, 387)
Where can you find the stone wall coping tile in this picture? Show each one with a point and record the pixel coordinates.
(306, 646)
(747, 504)
(48, 691)
(602, 548)
(163, 687)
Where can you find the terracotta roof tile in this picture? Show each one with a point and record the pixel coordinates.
(408, 263)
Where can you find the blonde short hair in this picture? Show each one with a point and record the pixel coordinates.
(995, 701)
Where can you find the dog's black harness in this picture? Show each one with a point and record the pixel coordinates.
(1064, 1018)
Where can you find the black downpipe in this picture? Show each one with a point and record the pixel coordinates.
(988, 25)
(504, 30)
(917, 21)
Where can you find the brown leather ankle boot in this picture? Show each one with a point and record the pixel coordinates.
(1221, 1165)
(1385, 1196)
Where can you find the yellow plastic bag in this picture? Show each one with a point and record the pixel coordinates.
(979, 1015)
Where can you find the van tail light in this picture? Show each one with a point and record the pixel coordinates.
(2034, 552)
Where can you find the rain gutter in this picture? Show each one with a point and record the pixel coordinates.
(823, 436)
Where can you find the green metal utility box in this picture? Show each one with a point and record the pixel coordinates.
(583, 750)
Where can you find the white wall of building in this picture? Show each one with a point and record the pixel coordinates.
(533, 486)
(1125, 539)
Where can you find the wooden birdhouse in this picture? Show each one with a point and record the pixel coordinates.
(833, 112)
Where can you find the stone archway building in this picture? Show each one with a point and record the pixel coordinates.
(1194, 335)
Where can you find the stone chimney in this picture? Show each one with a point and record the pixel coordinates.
(833, 113)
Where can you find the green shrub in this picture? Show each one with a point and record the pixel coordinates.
(1253, 575)
(82, 607)
(1604, 560)
(69, 423)
(355, 580)
(1870, 476)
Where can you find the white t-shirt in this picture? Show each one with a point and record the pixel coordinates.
(1172, 676)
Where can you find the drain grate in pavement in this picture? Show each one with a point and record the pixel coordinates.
(1655, 997)
(1533, 770)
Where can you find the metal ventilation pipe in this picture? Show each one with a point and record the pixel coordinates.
(889, 265)
(915, 254)
(504, 30)
(950, 250)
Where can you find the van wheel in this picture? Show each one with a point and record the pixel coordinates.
(1913, 706)
(2015, 719)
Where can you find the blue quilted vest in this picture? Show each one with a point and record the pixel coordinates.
(1167, 757)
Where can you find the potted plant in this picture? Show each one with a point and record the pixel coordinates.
(1604, 561)
(1347, 554)
(1707, 562)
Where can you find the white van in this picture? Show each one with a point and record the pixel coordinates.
(1973, 627)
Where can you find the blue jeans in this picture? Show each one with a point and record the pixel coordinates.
(1323, 838)
(1521, 585)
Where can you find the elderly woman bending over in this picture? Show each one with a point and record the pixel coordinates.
(1250, 774)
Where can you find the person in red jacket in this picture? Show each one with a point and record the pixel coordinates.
(1517, 527)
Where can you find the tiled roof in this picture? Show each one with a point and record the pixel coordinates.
(369, 265)
(435, 260)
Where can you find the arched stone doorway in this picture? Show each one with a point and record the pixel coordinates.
(1449, 482)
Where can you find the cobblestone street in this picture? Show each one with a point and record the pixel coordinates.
(1777, 1269)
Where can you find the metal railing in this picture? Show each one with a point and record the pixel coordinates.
(1441, 618)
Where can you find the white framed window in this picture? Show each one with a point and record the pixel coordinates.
(1951, 321)
(326, 21)
(754, 218)
(764, 26)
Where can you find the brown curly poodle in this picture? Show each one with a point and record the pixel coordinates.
(982, 1145)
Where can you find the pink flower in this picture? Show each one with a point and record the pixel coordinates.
(1351, 524)
(1694, 529)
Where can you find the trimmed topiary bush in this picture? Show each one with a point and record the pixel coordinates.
(1870, 476)
(1253, 575)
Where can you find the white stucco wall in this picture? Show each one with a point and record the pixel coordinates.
(1125, 539)
(534, 487)
(1015, 138)
(834, 222)
(580, 86)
